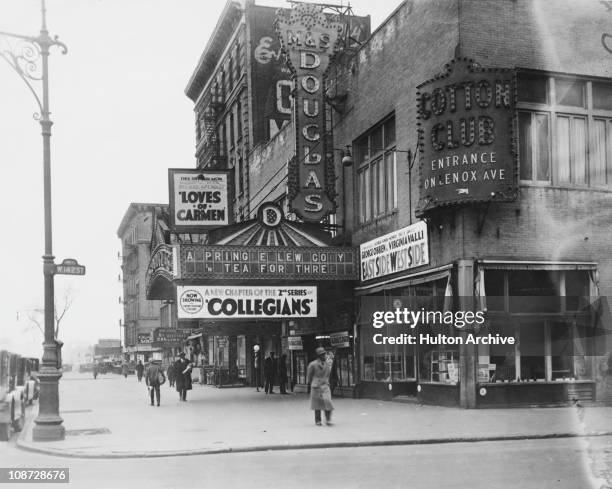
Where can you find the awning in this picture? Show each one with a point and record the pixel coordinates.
(194, 336)
(425, 276)
(535, 265)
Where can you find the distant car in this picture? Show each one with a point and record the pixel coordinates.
(85, 367)
(67, 367)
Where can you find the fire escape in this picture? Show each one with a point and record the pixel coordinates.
(211, 152)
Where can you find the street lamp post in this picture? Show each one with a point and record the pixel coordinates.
(24, 61)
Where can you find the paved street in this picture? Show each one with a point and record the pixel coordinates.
(532, 464)
(372, 444)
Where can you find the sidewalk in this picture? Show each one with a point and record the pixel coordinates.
(111, 417)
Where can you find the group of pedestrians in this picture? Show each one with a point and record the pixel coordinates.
(179, 376)
(317, 377)
(275, 370)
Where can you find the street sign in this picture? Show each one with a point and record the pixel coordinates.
(69, 266)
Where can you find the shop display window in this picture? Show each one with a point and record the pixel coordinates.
(534, 291)
(389, 367)
(532, 338)
(439, 364)
(300, 367)
(502, 358)
(344, 369)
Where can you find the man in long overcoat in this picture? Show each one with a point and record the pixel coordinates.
(317, 377)
(182, 373)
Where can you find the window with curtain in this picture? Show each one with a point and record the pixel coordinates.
(565, 131)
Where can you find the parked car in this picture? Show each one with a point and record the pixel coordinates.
(12, 396)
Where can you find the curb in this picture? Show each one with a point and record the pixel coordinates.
(306, 446)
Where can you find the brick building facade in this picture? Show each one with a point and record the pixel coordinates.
(549, 239)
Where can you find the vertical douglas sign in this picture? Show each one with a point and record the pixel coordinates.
(309, 37)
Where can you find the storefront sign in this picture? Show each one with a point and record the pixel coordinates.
(395, 252)
(261, 262)
(466, 136)
(171, 336)
(340, 340)
(309, 38)
(295, 343)
(198, 199)
(229, 302)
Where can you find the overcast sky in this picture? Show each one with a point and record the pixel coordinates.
(120, 120)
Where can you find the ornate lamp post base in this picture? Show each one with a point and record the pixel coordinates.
(48, 423)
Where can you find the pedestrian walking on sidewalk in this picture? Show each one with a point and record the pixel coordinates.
(182, 372)
(154, 378)
(282, 373)
(171, 374)
(124, 369)
(269, 364)
(139, 370)
(317, 376)
(95, 370)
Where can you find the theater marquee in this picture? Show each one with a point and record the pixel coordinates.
(466, 136)
(264, 262)
(198, 199)
(238, 302)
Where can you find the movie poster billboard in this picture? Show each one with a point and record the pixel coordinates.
(395, 252)
(240, 302)
(199, 199)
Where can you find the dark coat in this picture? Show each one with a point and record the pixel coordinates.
(183, 380)
(171, 371)
(282, 368)
(152, 377)
(139, 368)
(268, 367)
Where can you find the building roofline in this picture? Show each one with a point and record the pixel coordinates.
(131, 212)
(198, 78)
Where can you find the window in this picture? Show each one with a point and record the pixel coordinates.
(547, 312)
(240, 171)
(565, 131)
(375, 157)
(239, 121)
(232, 131)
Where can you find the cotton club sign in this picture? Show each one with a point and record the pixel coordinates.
(466, 136)
(309, 38)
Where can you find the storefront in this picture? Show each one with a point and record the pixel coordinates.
(261, 282)
(555, 314)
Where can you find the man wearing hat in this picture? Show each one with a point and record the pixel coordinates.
(318, 374)
(154, 378)
(182, 372)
